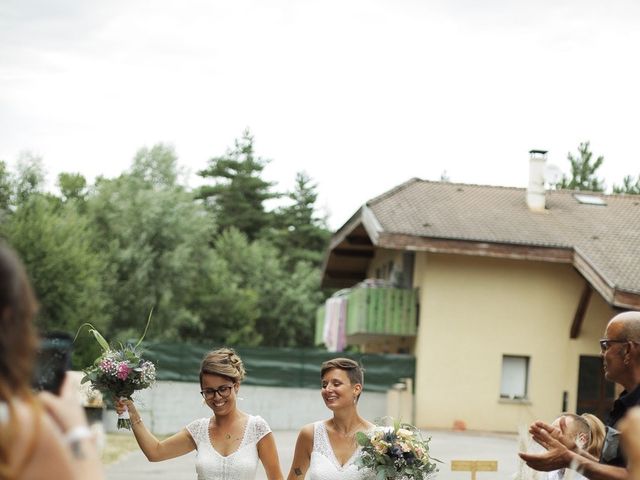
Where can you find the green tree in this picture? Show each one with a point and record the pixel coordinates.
(237, 198)
(29, 178)
(157, 166)
(56, 245)
(156, 240)
(73, 186)
(630, 186)
(6, 190)
(298, 232)
(286, 300)
(583, 171)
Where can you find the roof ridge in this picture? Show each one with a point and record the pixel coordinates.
(393, 190)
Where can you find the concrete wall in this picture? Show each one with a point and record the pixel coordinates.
(169, 406)
(474, 310)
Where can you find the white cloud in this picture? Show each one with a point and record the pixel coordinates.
(363, 95)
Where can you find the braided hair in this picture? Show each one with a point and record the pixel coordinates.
(224, 362)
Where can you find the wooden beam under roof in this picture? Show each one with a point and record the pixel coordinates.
(351, 252)
(581, 311)
(476, 248)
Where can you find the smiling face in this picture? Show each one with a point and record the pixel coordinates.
(337, 389)
(220, 404)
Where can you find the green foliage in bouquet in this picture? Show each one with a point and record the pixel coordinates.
(118, 372)
(396, 451)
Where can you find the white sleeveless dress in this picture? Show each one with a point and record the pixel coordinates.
(325, 466)
(239, 465)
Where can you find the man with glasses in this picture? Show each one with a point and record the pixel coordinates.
(620, 351)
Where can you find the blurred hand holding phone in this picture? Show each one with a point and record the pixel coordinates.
(52, 362)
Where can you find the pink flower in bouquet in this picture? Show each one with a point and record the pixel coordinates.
(119, 372)
(123, 371)
(107, 365)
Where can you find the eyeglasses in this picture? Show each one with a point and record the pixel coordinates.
(605, 343)
(224, 391)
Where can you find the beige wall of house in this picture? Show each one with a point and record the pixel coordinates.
(474, 310)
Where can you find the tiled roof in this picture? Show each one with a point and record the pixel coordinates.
(608, 237)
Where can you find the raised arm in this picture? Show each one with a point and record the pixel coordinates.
(559, 456)
(542, 431)
(155, 450)
(302, 454)
(65, 447)
(268, 453)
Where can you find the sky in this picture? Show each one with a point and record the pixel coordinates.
(362, 95)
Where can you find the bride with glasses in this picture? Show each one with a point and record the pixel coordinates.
(230, 442)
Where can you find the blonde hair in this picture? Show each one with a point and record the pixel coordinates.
(598, 433)
(224, 362)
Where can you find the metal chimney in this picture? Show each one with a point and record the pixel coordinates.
(535, 190)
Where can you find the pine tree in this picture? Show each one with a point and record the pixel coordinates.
(583, 171)
(298, 232)
(238, 196)
(630, 186)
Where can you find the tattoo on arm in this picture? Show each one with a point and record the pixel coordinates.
(297, 471)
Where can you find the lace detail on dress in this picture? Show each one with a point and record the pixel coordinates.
(259, 428)
(239, 465)
(198, 428)
(321, 440)
(325, 466)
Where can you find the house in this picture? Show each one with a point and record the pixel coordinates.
(513, 288)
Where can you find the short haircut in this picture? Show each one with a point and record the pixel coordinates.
(353, 369)
(630, 329)
(579, 425)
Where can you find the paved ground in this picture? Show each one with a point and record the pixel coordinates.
(445, 445)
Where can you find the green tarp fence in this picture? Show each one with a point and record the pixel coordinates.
(278, 367)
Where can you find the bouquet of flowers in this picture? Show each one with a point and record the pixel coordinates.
(396, 452)
(119, 371)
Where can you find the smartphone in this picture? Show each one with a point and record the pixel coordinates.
(52, 361)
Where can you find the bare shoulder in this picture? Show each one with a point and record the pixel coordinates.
(27, 417)
(306, 435)
(41, 439)
(368, 424)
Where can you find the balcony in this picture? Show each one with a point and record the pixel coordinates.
(372, 312)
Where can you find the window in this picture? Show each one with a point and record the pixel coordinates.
(515, 377)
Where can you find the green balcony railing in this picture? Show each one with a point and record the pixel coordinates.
(376, 311)
(386, 311)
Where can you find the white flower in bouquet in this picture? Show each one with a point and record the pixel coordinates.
(395, 452)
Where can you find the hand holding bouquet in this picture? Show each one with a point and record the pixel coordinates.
(395, 452)
(118, 372)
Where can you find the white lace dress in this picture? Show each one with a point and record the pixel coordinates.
(239, 465)
(325, 466)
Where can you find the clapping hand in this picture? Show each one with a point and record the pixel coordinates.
(541, 432)
(557, 444)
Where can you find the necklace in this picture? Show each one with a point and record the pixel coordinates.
(349, 434)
